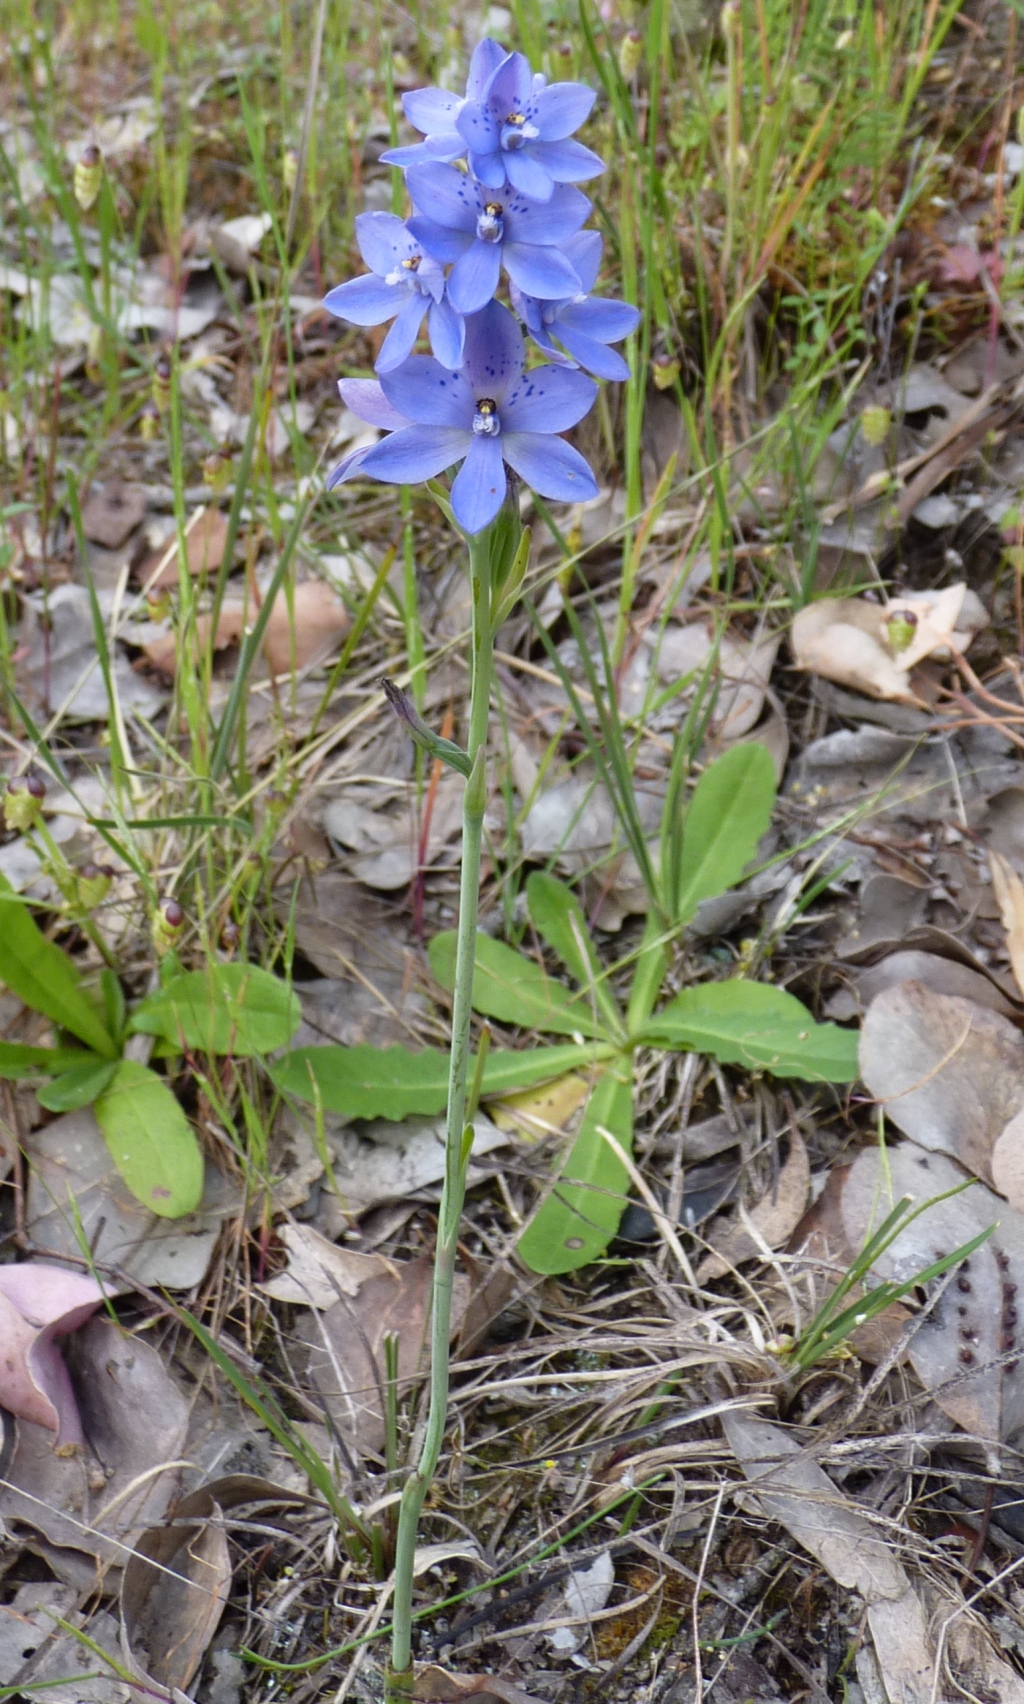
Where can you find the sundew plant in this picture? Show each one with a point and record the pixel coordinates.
(495, 211)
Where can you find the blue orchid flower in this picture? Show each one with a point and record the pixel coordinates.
(519, 129)
(490, 413)
(436, 111)
(583, 324)
(480, 230)
(403, 281)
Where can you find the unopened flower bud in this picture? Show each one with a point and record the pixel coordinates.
(23, 803)
(230, 936)
(88, 176)
(93, 885)
(874, 424)
(289, 169)
(900, 628)
(729, 17)
(217, 469)
(158, 603)
(630, 53)
(149, 421)
(162, 383)
(168, 919)
(664, 371)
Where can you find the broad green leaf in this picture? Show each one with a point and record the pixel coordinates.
(388, 1082)
(577, 1221)
(151, 1141)
(226, 1008)
(512, 988)
(752, 1024)
(730, 810)
(79, 1086)
(45, 978)
(17, 1061)
(557, 914)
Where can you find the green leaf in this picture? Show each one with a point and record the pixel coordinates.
(730, 810)
(512, 988)
(79, 1086)
(389, 1082)
(17, 1061)
(557, 914)
(752, 1024)
(226, 1008)
(44, 977)
(578, 1220)
(151, 1141)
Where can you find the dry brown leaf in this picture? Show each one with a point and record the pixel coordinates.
(319, 1271)
(435, 1685)
(960, 1350)
(111, 512)
(848, 639)
(774, 1219)
(948, 1072)
(535, 1114)
(300, 631)
(1009, 892)
(39, 1304)
(1008, 1162)
(206, 534)
(346, 1361)
(135, 1421)
(795, 1491)
(177, 1581)
(75, 1191)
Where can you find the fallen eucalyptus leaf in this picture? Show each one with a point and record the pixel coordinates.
(39, 1304)
(948, 1072)
(773, 1220)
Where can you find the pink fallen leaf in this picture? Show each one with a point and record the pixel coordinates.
(39, 1304)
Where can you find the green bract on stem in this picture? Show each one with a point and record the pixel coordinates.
(491, 555)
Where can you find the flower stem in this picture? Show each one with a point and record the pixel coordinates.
(400, 1673)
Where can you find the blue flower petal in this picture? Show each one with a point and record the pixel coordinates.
(548, 399)
(539, 271)
(553, 221)
(445, 196)
(584, 255)
(527, 174)
(598, 359)
(478, 489)
(550, 466)
(365, 301)
(602, 318)
(474, 277)
(415, 453)
(489, 169)
(487, 56)
(384, 241)
(476, 125)
(495, 353)
(428, 394)
(511, 87)
(561, 108)
(398, 344)
(348, 467)
(447, 334)
(441, 243)
(432, 110)
(366, 398)
(566, 162)
(445, 147)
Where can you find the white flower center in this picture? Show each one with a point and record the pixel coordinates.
(490, 226)
(485, 421)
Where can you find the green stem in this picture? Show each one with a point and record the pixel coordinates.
(399, 1681)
